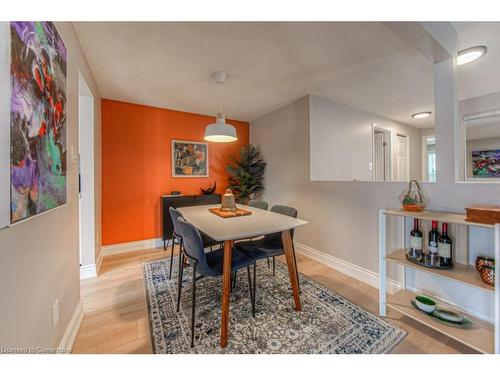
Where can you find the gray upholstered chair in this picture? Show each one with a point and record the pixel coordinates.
(271, 245)
(206, 265)
(258, 204)
(177, 237)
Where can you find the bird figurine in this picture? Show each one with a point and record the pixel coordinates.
(209, 190)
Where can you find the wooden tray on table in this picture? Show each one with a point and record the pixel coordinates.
(226, 214)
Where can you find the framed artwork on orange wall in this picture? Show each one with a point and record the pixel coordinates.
(189, 159)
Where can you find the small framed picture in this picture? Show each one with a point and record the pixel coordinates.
(486, 163)
(189, 159)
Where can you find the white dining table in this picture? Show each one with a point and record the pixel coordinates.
(228, 230)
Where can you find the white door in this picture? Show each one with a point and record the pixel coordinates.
(379, 170)
(401, 172)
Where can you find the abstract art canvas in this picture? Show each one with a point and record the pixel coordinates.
(486, 164)
(37, 119)
(189, 159)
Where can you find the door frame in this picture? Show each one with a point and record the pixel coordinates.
(87, 235)
(388, 152)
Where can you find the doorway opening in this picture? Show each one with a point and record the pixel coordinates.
(87, 230)
(429, 158)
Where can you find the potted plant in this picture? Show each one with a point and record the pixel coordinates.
(246, 174)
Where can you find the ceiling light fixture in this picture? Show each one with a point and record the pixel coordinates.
(220, 131)
(421, 114)
(468, 55)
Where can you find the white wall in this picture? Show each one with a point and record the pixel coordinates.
(341, 141)
(39, 257)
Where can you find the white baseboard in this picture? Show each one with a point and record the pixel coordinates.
(359, 273)
(132, 246)
(91, 270)
(88, 271)
(68, 339)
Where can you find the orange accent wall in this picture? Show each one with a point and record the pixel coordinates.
(136, 165)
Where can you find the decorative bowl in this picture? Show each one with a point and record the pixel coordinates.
(413, 207)
(425, 304)
(448, 315)
(487, 274)
(484, 261)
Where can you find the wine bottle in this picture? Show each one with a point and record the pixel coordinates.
(445, 248)
(433, 258)
(415, 242)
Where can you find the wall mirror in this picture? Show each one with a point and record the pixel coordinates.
(374, 120)
(481, 146)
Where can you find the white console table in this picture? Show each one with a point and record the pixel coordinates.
(482, 336)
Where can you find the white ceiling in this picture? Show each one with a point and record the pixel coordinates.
(481, 77)
(365, 65)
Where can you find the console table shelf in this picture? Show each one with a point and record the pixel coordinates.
(461, 273)
(479, 337)
(482, 336)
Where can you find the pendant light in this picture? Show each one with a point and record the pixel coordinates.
(220, 131)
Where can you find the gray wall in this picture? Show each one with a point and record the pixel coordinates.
(39, 257)
(341, 140)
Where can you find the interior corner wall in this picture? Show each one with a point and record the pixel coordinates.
(39, 258)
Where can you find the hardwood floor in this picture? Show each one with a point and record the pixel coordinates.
(116, 317)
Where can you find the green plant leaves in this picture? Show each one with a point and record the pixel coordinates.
(246, 174)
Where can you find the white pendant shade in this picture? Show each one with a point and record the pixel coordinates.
(220, 131)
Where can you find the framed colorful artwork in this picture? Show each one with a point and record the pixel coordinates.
(189, 159)
(486, 164)
(37, 119)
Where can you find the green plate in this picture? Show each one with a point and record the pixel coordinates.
(465, 323)
(448, 315)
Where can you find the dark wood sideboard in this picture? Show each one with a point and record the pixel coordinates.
(176, 201)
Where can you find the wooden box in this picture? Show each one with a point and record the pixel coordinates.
(482, 213)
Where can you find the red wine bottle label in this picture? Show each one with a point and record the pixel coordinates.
(433, 247)
(416, 242)
(444, 250)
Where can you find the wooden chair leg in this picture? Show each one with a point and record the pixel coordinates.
(193, 304)
(274, 266)
(296, 269)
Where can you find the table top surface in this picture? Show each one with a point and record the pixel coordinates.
(258, 223)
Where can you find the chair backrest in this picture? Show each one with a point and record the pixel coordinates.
(284, 210)
(175, 214)
(258, 204)
(193, 247)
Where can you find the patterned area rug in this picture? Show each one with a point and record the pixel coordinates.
(328, 323)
